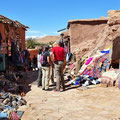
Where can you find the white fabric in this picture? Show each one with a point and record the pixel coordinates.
(111, 74)
(38, 59)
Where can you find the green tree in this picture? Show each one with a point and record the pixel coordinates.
(30, 43)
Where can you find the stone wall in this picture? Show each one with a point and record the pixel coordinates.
(112, 13)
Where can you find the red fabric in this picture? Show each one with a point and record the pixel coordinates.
(85, 72)
(22, 55)
(13, 116)
(91, 72)
(71, 66)
(59, 53)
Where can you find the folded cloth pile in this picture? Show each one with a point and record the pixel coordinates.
(9, 114)
(109, 78)
(12, 100)
(84, 80)
(9, 103)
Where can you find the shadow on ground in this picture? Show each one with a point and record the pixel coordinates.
(30, 79)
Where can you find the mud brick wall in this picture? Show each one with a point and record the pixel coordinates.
(81, 33)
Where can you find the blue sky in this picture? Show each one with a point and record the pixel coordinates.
(46, 17)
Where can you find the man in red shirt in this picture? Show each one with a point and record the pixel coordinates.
(59, 65)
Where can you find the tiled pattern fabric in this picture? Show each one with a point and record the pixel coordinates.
(100, 65)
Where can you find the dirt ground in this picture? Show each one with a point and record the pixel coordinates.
(93, 103)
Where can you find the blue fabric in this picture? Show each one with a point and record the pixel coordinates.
(3, 115)
(90, 77)
(78, 78)
(77, 82)
(105, 51)
(8, 107)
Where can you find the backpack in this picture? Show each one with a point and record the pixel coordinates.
(43, 59)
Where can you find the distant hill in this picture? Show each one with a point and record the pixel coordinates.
(48, 39)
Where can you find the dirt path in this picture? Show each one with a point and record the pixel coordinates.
(75, 104)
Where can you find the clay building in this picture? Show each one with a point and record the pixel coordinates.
(89, 35)
(11, 31)
(85, 32)
(32, 53)
(12, 41)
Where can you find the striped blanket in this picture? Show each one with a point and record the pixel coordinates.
(100, 65)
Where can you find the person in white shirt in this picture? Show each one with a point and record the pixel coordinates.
(39, 79)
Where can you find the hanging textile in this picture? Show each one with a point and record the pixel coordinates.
(101, 64)
(9, 48)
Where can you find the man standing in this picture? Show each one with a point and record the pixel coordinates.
(59, 65)
(46, 63)
(51, 68)
(39, 79)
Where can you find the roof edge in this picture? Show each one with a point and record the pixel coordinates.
(15, 23)
(86, 20)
